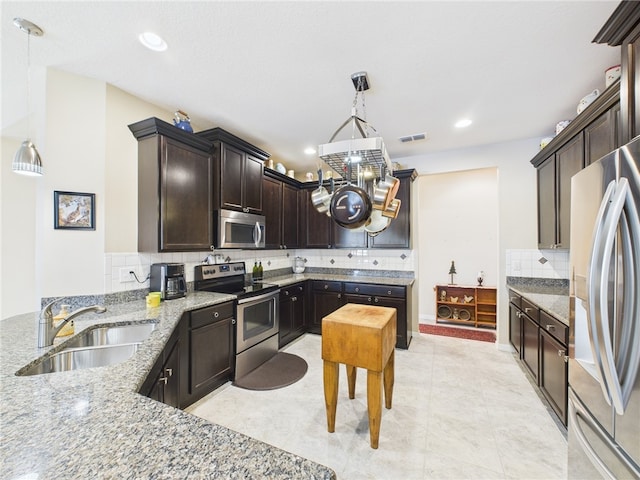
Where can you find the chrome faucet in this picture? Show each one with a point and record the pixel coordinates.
(47, 332)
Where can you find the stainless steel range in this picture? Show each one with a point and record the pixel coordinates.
(257, 323)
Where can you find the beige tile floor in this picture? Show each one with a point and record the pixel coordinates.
(461, 409)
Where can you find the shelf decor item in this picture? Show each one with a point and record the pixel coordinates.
(480, 278)
(74, 211)
(452, 271)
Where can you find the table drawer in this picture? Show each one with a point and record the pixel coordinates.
(555, 327)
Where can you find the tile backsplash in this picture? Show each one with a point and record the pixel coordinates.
(118, 265)
(538, 263)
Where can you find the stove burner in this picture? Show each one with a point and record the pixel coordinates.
(229, 278)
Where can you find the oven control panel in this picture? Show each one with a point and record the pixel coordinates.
(220, 270)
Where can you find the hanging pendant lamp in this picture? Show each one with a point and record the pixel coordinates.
(27, 160)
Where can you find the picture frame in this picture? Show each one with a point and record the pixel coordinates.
(74, 210)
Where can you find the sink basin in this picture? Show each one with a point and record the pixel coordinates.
(112, 335)
(79, 358)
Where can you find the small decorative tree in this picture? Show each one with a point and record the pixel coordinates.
(452, 271)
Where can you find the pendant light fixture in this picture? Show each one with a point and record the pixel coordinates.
(27, 160)
(367, 151)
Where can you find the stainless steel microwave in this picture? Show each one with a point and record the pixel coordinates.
(239, 230)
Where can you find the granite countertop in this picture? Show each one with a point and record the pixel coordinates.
(93, 424)
(552, 298)
(284, 280)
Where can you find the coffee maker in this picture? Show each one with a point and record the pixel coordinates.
(168, 279)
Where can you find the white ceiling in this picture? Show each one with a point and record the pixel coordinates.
(278, 73)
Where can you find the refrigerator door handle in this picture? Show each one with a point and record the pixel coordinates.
(629, 348)
(577, 413)
(594, 278)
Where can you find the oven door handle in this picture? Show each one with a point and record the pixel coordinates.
(258, 298)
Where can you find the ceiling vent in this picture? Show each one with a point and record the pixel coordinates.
(413, 138)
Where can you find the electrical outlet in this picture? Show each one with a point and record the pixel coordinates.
(126, 276)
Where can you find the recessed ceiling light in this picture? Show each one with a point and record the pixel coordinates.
(309, 150)
(152, 41)
(465, 122)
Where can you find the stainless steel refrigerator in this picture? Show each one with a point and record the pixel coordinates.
(604, 342)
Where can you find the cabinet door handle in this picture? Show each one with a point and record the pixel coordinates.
(513, 299)
(376, 300)
(233, 321)
(163, 380)
(293, 299)
(168, 372)
(562, 353)
(519, 314)
(326, 287)
(286, 292)
(527, 309)
(551, 328)
(369, 299)
(300, 289)
(339, 295)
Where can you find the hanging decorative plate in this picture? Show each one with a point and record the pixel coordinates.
(444, 311)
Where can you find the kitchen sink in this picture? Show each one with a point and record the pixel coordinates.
(80, 358)
(112, 335)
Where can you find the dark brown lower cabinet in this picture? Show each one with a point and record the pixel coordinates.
(515, 329)
(543, 350)
(530, 347)
(554, 373)
(326, 297)
(383, 296)
(163, 382)
(207, 359)
(197, 359)
(292, 313)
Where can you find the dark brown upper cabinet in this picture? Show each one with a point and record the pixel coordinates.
(319, 231)
(592, 134)
(280, 207)
(623, 29)
(237, 172)
(175, 188)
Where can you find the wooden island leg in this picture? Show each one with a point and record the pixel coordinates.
(351, 377)
(374, 400)
(331, 393)
(389, 378)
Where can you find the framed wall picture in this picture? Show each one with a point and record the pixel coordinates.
(74, 210)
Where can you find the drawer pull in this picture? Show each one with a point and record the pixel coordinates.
(339, 295)
(216, 314)
(369, 299)
(527, 309)
(388, 292)
(376, 300)
(163, 380)
(519, 314)
(168, 372)
(326, 287)
(286, 292)
(551, 328)
(565, 357)
(357, 290)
